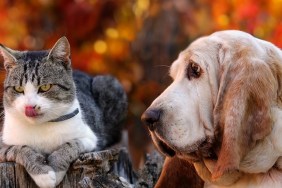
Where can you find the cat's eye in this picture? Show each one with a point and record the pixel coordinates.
(44, 88)
(19, 89)
(194, 70)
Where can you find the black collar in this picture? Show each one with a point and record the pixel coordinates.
(65, 117)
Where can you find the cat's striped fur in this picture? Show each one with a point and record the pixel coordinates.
(40, 88)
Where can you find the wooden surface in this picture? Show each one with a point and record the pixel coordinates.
(104, 169)
(109, 168)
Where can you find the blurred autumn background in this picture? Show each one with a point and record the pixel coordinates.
(134, 40)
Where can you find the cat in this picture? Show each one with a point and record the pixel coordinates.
(53, 114)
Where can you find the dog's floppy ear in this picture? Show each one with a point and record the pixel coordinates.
(242, 116)
(178, 173)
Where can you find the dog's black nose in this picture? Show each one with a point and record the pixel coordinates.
(150, 117)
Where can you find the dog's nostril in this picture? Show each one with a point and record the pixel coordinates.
(150, 117)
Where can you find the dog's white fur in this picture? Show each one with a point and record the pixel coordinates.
(187, 105)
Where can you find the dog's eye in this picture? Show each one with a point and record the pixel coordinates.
(193, 71)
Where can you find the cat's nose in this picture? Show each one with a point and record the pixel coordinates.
(31, 111)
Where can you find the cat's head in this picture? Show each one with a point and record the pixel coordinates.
(38, 86)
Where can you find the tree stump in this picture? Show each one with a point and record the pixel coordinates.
(104, 169)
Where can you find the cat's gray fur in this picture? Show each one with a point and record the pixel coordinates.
(30, 67)
(108, 105)
(102, 100)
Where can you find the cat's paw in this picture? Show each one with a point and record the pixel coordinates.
(60, 176)
(45, 180)
(88, 144)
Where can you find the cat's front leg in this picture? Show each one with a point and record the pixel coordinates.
(61, 159)
(33, 162)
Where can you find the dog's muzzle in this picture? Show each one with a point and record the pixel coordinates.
(151, 118)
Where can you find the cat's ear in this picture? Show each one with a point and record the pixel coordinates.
(61, 51)
(9, 58)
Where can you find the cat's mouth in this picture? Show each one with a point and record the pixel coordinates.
(34, 116)
(31, 112)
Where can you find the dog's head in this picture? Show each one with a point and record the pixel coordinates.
(223, 88)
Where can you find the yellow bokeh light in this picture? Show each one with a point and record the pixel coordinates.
(223, 20)
(112, 33)
(100, 46)
(141, 6)
(259, 32)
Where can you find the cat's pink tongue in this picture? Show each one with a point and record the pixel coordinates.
(30, 111)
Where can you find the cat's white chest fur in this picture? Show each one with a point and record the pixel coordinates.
(48, 136)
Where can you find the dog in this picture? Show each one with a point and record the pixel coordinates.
(223, 111)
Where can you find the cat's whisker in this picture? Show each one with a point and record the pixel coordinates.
(52, 114)
(53, 110)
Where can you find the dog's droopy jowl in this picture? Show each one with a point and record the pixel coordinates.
(223, 110)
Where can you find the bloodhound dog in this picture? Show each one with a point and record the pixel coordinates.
(223, 111)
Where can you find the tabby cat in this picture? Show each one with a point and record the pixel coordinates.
(47, 123)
